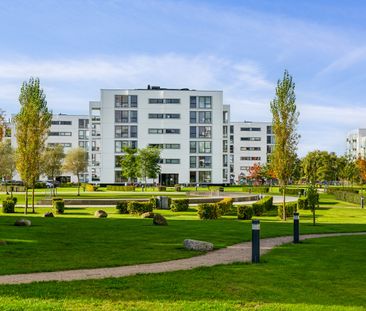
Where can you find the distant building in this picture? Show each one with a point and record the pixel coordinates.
(356, 144)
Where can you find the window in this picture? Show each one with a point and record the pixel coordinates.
(224, 131)
(164, 131)
(270, 140)
(172, 161)
(133, 131)
(192, 162)
(156, 131)
(59, 134)
(172, 146)
(117, 161)
(61, 122)
(133, 116)
(193, 132)
(193, 102)
(204, 147)
(204, 102)
(156, 116)
(225, 117)
(225, 160)
(133, 101)
(121, 116)
(224, 146)
(204, 131)
(204, 176)
(121, 101)
(193, 117)
(164, 116)
(65, 145)
(121, 131)
(204, 161)
(193, 147)
(83, 144)
(83, 123)
(269, 129)
(192, 177)
(119, 145)
(172, 131)
(231, 129)
(250, 129)
(205, 117)
(250, 158)
(172, 116)
(250, 148)
(231, 148)
(250, 138)
(270, 149)
(164, 101)
(83, 134)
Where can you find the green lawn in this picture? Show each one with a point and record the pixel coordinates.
(78, 240)
(318, 274)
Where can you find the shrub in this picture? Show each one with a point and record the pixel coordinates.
(208, 211)
(90, 187)
(178, 188)
(245, 212)
(139, 208)
(302, 203)
(256, 189)
(179, 205)
(290, 209)
(263, 205)
(154, 202)
(14, 199)
(293, 191)
(225, 205)
(120, 188)
(121, 206)
(8, 205)
(59, 205)
(161, 188)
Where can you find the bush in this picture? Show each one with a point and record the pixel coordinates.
(225, 206)
(179, 205)
(154, 202)
(120, 188)
(302, 203)
(263, 205)
(90, 187)
(139, 208)
(245, 212)
(121, 206)
(347, 196)
(256, 189)
(14, 199)
(58, 205)
(208, 211)
(290, 209)
(8, 205)
(161, 188)
(293, 191)
(177, 188)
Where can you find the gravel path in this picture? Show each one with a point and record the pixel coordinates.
(236, 253)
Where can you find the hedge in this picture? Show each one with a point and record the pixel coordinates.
(263, 205)
(208, 211)
(120, 188)
(59, 205)
(290, 209)
(256, 189)
(346, 196)
(121, 206)
(161, 188)
(179, 205)
(332, 190)
(302, 203)
(225, 206)
(245, 212)
(139, 208)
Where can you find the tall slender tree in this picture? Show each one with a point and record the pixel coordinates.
(7, 162)
(130, 164)
(148, 159)
(76, 162)
(32, 124)
(285, 120)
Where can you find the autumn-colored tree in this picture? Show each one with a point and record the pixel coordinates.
(255, 173)
(361, 165)
(284, 122)
(32, 124)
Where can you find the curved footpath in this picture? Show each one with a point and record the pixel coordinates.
(236, 253)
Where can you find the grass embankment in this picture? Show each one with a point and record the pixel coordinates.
(320, 274)
(78, 240)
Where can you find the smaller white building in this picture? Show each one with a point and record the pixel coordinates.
(356, 144)
(250, 143)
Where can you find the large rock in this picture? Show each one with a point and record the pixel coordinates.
(159, 220)
(198, 245)
(147, 215)
(23, 222)
(48, 214)
(101, 214)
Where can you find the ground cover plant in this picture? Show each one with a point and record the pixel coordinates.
(291, 277)
(76, 239)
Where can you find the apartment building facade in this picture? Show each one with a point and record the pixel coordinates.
(356, 144)
(250, 143)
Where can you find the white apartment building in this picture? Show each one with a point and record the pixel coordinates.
(69, 131)
(190, 126)
(250, 143)
(356, 143)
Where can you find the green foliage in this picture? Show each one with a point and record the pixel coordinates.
(120, 188)
(129, 163)
(52, 161)
(256, 189)
(58, 205)
(262, 205)
(302, 203)
(154, 202)
(347, 196)
(161, 188)
(122, 207)
(9, 205)
(293, 191)
(245, 212)
(178, 188)
(148, 162)
(225, 206)
(291, 207)
(334, 190)
(139, 208)
(91, 188)
(208, 211)
(7, 159)
(179, 205)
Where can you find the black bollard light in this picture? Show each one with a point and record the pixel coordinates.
(255, 241)
(296, 228)
(362, 201)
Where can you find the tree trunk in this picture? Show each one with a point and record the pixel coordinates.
(78, 185)
(6, 187)
(26, 201)
(284, 202)
(314, 216)
(33, 199)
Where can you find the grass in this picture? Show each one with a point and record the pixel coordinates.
(78, 240)
(321, 274)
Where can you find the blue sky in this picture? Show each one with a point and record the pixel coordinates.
(241, 47)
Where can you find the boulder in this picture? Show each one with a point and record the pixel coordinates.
(101, 214)
(23, 222)
(195, 245)
(159, 220)
(147, 215)
(48, 214)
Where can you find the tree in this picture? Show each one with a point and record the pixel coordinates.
(76, 162)
(7, 162)
(32, 124)
(52, 163)
(284, 120)
(130, 164)
(255, 173)
(348, 169)
(2, 125)
(148, 162)
(313, 199)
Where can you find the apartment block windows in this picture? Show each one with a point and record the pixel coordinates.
(204, 131)
(164, 101)
(204, 146)
(125, 101)
(193, 102)
(61, 122)
(165, 146)
(204, 176)
(250, 158)
(205, 117)
(225, 117)
(269, 129)
(59, 134)
(121, 116)
(84, 145)
(250, 138)
(83, 123)
(224, 146)
(164, 116)
(133, 116)
(193, 117)
(250, 148)
(192, 162)
(133, 131)
(250, 129)
(83, 134)
(224, 131)
(192, 177)
(270, 140)
(204, 161)
(164, 131)
(133, 101)
(201, 102)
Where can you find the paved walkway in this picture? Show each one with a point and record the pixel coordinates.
(236, 253)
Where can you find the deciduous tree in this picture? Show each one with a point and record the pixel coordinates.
(7, 162)
(52, 162)
(284, 119)
(148, 162)
(76, 162)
